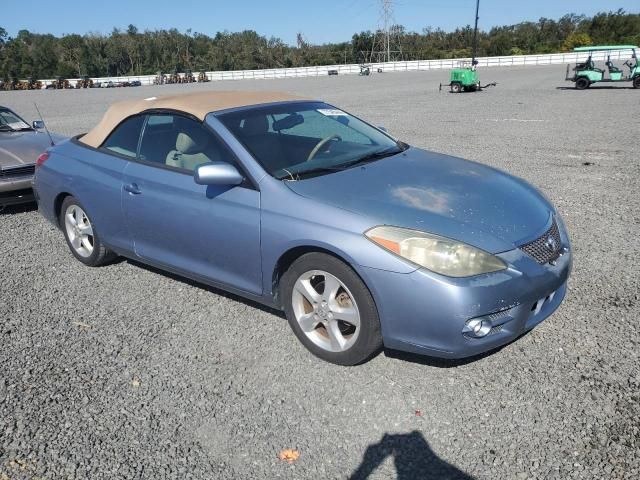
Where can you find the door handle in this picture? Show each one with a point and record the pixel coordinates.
(132, 188)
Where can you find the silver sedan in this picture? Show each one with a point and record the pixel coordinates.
(20, 146)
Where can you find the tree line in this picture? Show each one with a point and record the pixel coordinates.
(132, 52)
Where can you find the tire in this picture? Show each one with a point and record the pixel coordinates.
(81, 235)
(456, 88)
(582, 83)
(350, 297)
(636, 82)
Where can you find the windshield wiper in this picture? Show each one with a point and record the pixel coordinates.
(304, 173)
(7, 128)
(369, 157)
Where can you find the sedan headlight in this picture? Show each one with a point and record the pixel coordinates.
(433, 252)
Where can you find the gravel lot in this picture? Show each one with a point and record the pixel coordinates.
(127, 372)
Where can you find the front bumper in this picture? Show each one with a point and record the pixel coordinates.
(425, 313)
(16, 191)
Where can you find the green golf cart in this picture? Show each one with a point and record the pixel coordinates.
(586, 73)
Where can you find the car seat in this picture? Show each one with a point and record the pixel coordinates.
(190, 150)
(592, 66)
(256, 125)
(263, 144)
(612, 68)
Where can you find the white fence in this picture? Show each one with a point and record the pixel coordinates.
(413, 65)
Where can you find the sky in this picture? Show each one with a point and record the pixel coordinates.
(320, 21)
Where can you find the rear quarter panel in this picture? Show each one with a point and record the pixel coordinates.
(94, 178)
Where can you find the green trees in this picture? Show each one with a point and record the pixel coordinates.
(576, 39)
(131, 52)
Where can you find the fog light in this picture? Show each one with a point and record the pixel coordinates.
(477, 327)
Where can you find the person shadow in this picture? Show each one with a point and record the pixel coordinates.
(412, 456)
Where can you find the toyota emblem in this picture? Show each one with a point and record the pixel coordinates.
(551, 244)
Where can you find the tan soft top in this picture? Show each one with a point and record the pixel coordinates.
(197, 104)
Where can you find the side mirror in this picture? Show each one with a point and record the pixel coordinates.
(38, 124)
(217, 173)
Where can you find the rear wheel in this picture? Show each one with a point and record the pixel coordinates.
(81, 235)
(330, 310)
(636, 82)
(582, 83)
(456, 87)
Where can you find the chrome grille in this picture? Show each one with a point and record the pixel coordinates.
(19, 171)
(545, 248)
(494, 317)
(496, 329)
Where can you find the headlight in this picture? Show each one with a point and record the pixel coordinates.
(433, 252)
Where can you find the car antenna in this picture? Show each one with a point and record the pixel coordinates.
(44, 124)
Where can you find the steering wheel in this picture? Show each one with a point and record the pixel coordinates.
(321, 144)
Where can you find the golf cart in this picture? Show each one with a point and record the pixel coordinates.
(586, 73)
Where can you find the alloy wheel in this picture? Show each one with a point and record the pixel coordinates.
(326, 311)
(79, 230)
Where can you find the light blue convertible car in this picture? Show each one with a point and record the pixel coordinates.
(363, 240)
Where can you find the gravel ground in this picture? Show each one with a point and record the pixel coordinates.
(127, 372)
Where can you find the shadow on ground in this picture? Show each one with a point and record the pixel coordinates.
(412, 457)
(19, 208)
(599, 87)
(209, 288)
(393, 354)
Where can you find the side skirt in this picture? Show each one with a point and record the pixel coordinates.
(267, 301)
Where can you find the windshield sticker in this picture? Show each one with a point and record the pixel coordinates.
(18, 125)
(332, 112)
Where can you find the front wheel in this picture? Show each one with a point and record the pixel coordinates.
(636, 82)
(582, 83)
(331, 310)
(456, 87)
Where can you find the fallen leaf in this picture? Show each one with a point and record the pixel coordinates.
(288, 455)
(418, 413)
(82, 325)
(135, 383)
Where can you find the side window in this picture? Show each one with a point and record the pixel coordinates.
(8, 117)
(124, 139)
(180, 142)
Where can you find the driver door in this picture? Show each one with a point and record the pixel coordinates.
(210, 231)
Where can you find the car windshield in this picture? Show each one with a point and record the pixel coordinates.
(298, 140)
(10, 121)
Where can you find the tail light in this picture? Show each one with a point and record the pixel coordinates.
(44, 156)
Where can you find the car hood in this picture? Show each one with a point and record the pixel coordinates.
(437, 193)
(19, 148)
